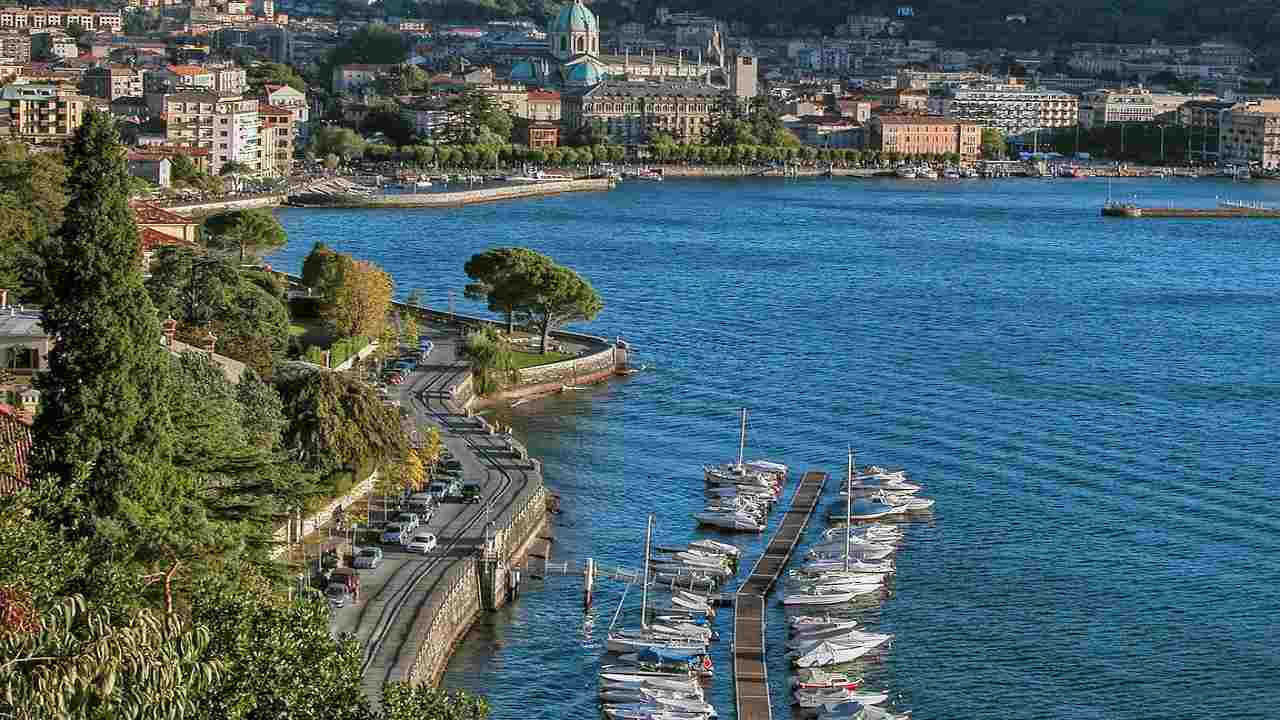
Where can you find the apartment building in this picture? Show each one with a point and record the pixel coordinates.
(276, 139)
(1103, 107)
(296, 101)
(15, 46)
(112, 81)
(40, 113)
(1203, 121)
(228, 80)
(42, 17)
(541, 127)
(349, 78)
(1012, 109)
(227, 126)
(1250, 135)
(631, 111)
(924, 135)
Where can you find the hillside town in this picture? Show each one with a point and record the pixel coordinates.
(258, 90)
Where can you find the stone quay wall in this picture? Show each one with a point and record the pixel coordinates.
(451, 199)
(445, 620)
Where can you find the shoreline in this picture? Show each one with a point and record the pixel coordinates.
(447, 199)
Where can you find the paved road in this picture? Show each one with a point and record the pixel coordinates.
(394, 593)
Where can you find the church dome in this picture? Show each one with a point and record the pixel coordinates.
(575, 18)
(584, 73)
(523, 71)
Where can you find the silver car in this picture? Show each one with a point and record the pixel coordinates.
(367, 559)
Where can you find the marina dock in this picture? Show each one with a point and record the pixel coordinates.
(750, 674)
(1223, 211)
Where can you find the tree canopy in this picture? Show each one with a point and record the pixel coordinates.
(525, 282)
(243, 230)
(477, 118)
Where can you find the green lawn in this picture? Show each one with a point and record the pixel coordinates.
(295, 330)
(526, 359)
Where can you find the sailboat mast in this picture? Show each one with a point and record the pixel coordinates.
(742, 437)
(644, 578)
(848, 506)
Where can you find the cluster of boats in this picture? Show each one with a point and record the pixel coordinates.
(656, 672)
(739, 495)
(853, 561)
(924, 172)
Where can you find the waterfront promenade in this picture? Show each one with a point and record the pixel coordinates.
(403, 593)
(750, 672)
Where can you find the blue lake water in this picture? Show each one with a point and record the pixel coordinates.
(1093, 403)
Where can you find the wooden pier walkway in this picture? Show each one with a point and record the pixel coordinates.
(750, 676)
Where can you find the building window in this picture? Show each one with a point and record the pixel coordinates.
(582, 44)
(564, 44)
(22, 358)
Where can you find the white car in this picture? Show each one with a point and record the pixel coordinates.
(421, 543)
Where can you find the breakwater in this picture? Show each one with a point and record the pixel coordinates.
(449, 199)
(1228, 212)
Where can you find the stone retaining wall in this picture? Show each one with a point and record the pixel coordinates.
(445, 620)
(258, 201)
(452, 199)
(288, 532)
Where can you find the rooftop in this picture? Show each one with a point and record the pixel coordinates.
(16, 322)
(149, 214)
(152, 239)
(612, 88)
(188, 70)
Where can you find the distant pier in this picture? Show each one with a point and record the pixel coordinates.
(1223, 211)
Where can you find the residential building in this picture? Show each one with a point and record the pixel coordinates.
(744, 76)
(226, 126)
(112, 81)
(1012, 109)
(276, 138)
(155, 168)
(901, 100)
(923, 135)
(40, 113)
(42, 17)
(159, 228)
(427, 117)
(24, 345)
(237, 133)
(296, 101)
(632, 111)
(53, 45)
(1250, 135)
(15, 46)
(16, 439)
(1103, 107)
(1203, 120)
(350, 78)
(182, 78)
(541, 126)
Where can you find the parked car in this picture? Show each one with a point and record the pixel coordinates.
(421, 503)
(453, 464)
(438, 489)
(368, 558)
(421, 543)
(337, 594)
(393, 534)
(408, 520)
(471, 491)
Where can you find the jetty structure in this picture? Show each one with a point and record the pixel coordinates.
(1225, 210)
(750, 674)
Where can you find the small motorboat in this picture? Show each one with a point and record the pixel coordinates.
(863, 509)
(832, 696)
(829, 653)
(816, 597)
(817, 678)
(738, 521)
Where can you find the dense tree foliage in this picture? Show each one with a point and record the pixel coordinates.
(492, 363)
(518, 281)
(373, 44)
(32, 198)
(244, 230)
(477, 118)
(337, 423)
(355, 295)
(342, 142)
(268, 73)
(102, 407)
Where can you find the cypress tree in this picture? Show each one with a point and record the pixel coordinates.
(103, 419)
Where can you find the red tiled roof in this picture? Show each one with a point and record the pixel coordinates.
(187, 70)
(148, 214)
(543, 95)
(152, 239)
(15, 447)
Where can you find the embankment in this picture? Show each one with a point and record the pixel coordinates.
(450, 199)
(242, 203)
